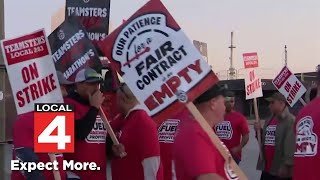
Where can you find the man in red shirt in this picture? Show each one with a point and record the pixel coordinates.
(234, 130)
(195, 156)
(307, 130)
(277, 141)
(166, 134)
(90, 133)
(138, 136)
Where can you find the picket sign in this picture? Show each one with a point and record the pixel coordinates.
(289, 86)
(253, 88)
(28, 67)
(217, 143)
(162, 68)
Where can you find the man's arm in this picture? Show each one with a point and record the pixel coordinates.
(244, 132)
(244, 140)
(28, 155)
(289, 148)
(209, 177)
(289, 144)
(149, 146)
(151, 167)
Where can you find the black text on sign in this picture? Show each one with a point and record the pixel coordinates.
(54, 128)
(171, 86)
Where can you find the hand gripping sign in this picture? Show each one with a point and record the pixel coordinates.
(161, 66)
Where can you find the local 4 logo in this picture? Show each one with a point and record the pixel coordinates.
(54, 128)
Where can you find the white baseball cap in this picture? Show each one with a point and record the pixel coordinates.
(88, 75)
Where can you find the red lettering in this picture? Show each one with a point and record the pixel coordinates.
(25, 75)
(33, 70)
(171, 86)
(289, 99)
(30, 73)
(287, 87)
(21, 102)
(25, 90)
(252, 87)
(248, 90)
(174, 83)
(40, 88)
(251, 74)
(45, 85)
(165, 91)
(34, 92)
(184, 73)
(151, 103)
(297, 86)
(196, 67)
(53, 86)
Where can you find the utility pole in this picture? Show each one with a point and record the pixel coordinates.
(1, 26)
(232, 71)
(285, 56)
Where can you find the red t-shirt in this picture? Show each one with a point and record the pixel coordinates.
(92, 149)
(23, 136)
(138, 134)
(232, 129)
(194, 154)
(166, 132)
(269, 143)
(307, 130)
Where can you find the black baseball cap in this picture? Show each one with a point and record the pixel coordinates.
(215, 91)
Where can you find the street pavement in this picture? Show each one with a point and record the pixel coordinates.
(250, 156)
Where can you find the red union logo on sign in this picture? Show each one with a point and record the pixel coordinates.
(54, 128)
(250, 60)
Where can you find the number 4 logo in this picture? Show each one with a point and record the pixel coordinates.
(61, 139)
(53, 130)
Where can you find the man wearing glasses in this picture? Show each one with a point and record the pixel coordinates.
(234, 130)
